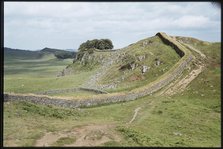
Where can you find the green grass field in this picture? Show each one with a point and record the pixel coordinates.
(197, 120)
(187, 119)
(30, 76)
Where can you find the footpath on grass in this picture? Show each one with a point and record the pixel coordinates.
(94, 100)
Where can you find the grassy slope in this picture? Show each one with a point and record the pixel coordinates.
(191, 118)
(158, 120)
(20, 54)
(42, 71)
(134, 78)
(127, 79)
(35, 75)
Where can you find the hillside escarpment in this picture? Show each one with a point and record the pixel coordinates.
(131, 67)
(148, 89)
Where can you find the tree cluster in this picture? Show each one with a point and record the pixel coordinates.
(101, 44)
(64, 55)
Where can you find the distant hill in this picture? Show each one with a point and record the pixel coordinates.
(60, 54)
(10, 53)
(71, 50)
(27, 54)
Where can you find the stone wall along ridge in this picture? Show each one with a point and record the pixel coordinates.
(101, 99)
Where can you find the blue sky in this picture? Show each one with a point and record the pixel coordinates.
(65, 25)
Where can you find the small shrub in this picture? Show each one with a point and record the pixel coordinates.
(64, 141)
(48, 111)
(137, 137)
(160, 112)
(64, 55)
(111, 143)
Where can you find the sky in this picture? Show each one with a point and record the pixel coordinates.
(65, 25)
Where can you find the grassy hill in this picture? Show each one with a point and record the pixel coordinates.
(121, 70)
(187, 118)
(20, 54)
(60, 54)
(31, 67)
(10, 53)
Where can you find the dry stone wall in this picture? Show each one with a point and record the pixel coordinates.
(115, 97)
(59, 91)
(173, 44)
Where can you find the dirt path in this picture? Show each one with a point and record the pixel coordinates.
(90, 135)
(135, 114)
(183, 83)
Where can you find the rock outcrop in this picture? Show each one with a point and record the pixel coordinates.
(145, 69)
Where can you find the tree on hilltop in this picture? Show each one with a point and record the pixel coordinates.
(101, 44)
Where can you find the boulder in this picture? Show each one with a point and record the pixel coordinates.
(128, 66)
(145, 68)
(133, 66)
(142, 57)
(144, 43)
(157, 62)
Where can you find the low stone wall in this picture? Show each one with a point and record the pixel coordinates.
(116, 97)
(167, 41)
(59, 91)
(93, 90)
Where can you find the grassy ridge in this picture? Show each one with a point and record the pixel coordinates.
(20, 54)
(134, 78)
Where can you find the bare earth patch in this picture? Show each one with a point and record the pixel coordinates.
(90, 135)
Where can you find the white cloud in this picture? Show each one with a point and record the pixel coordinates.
(67, 24)
(192, 22)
